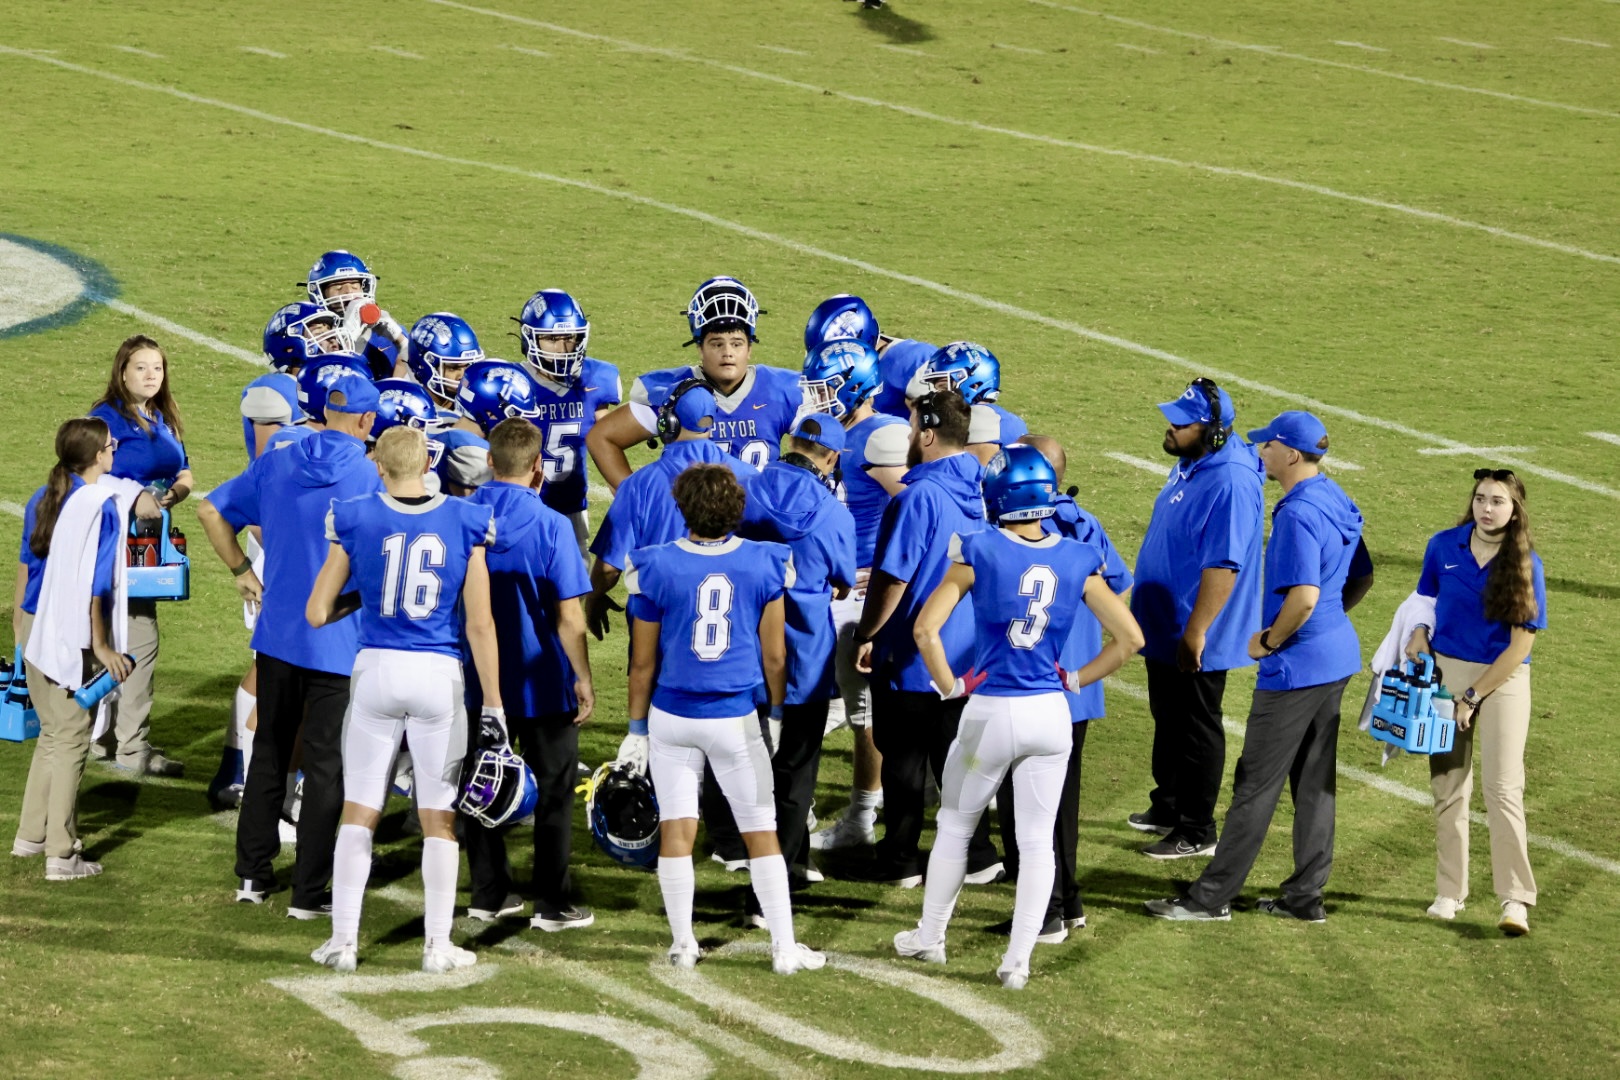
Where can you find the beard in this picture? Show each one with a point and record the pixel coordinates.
(914, 453)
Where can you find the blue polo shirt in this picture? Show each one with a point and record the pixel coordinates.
(1457, 583)
(109, 547)
(1210, 513)
(1085, 639)
(147, 457)
(1315, 529)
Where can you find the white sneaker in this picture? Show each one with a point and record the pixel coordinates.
(339, 956)
(439, 957)
(909, 943)
(1076, 923)
(843, 833)
(77, 866)
(512, 905)
(1515, 920)
(1014, 977)
(1444, 907)
(731, 865)
(796, 957)
(988, 876)
(812, 873)
(684, 955)
(250, 892)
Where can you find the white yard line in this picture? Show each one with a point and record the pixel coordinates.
(1045, 140)
(1332, 463)
(783, 49)
(1271, 50)
(12, 508)
(1157, 468)
(1605, 436)
(528, 52)
(1465, 44)
(1362, 45)
(391, 51)
(1585, 41)
(811, 251)
(1019, 49)
(183, 331)
(1474, 451)
(1138, 48)
(901, 49)
(271, 53)
(133, 51)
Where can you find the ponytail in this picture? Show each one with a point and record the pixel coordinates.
(78, 444)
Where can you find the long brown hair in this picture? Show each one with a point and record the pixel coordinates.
(162, 402)
(78, 444)
(1510, 584)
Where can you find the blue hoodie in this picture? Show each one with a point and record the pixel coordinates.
(644, 514)
(790, 505)
(533, 565)
(942, 498)
(1086, 637)
(1314, 532)
(288, 494)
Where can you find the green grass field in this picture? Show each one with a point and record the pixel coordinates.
(1405, 214)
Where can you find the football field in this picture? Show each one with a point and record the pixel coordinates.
(1403, 216)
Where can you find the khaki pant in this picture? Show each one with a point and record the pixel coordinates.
(51, 799)
(1501, 725)
(132, 712)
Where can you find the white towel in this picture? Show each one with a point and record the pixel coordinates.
(1415, 610)
(62, 624)
(126, 492)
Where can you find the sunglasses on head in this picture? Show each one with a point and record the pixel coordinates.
(1493, 474)
(112, 444)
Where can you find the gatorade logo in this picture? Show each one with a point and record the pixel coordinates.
(43, 286)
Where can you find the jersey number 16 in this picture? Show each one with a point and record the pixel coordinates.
(408, 578)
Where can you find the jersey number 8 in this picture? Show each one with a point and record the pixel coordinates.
(1040, 585)
(408, 578)
(711, 630)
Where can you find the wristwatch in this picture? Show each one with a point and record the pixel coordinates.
(1265, 642)
(1470, 698)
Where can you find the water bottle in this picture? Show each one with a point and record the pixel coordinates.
(1391, 686)
(1444, 705)
(90, 695)
(177, 539)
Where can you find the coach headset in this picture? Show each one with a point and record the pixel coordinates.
(669, 425)
(1215, 432)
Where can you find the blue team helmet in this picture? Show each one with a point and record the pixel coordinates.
(552, 313)
(500, 788)
(494, 390)
(438, 341)
(402, 402)
(722, 303)
(333, 267)
(299, 334)
(316, 378)
(840, 318)
(622, 810)
(839, 376)
(1020, 485)
(971, 370)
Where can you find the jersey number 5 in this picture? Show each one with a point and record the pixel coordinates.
(560, 456)
(711, 630)
(1040, 585)
(408, 578)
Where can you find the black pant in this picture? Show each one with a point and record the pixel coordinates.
(291, 697)
(1293, 736)
(913, 731)
(1189, 749)
(793, 779)
(550, 746)
(1065, 901)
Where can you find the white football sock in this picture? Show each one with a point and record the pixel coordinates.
(351, 867)
(770, 880)
(863, 806)
(441, 859)
(676, 882)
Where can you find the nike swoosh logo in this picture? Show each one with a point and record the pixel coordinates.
(759, 406)
(588, 389)
(1452, 565)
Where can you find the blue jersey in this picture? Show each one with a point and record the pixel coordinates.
(154, 455)
(1086, 636)
(1457, 583)
(1315, 529)
(109, 548)
(752, 418)
(864, 496)
(899, 363)
(643, 512)
(565, 418)
(458, 456)
(288, 435)
(1026, 594)
(287, 494)
(534, 565)
(708, 599)
(409, 561)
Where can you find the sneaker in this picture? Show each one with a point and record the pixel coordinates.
(812, 872)
(569, 918)
(156, 764)
(1178, 848)
(988, 876)
(27, 849)
(810, 819)
(1013, 977)
(1311, 913)
(909, 943)
(338, 957)
(1444, 907)
(1179, 909)
(878, 873)
(844, 833)
(731, 865)
(439, 957)
(77, 866)
(322, 909)
(1515, 920)
(796, 957)
(1148, 823)
(1075, 922)
(228, 797)
(512, 905)
(684, 955)
(1053, 932)
(252, 892)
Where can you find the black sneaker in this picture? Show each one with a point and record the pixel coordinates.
(569, 918)
(1053, 932)
(1175, 847)
(307, 912)
(1180, 909)
(1148, 823)
(1311, 913)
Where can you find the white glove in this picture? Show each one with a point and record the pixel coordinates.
(773, 730)
(961, 688)
(491, 721)
(633, 752)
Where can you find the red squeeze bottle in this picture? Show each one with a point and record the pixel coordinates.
(370, 314)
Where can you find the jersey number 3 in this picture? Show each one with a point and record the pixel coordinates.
(711, 630)
(408, 578)
(1040, 585)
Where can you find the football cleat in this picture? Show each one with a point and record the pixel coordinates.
(1013, 976)
(909, 943)
(339, 956)
(790, 959)
(555, 334)
(439, 957)
(685, 955)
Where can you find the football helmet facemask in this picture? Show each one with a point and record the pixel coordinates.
(500, 787)
(722, 303)
(839, 376)
(622, 809)
(551, 314)
(971, 370)
(333, 267)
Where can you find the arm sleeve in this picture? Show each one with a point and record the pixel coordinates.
(1229, 526)
(645, 415)
(906, 522)
(1296, 553)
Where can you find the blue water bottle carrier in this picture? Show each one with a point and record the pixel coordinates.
(1406, 714)
(158, 566)
(18, 720)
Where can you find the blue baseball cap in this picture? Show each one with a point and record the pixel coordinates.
(359, 394)
(828, 433)
(1295, 429)
(1192, 407)
(694, 407)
